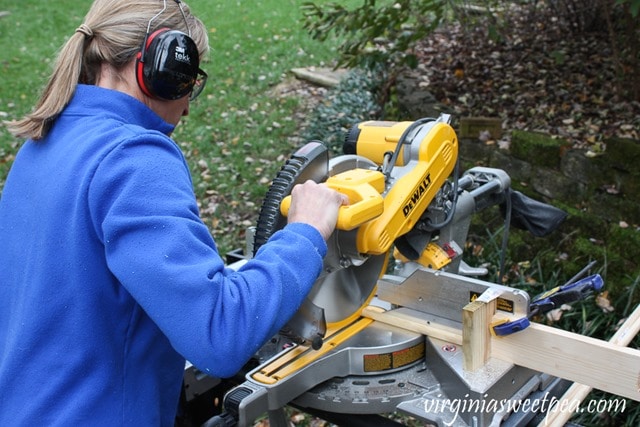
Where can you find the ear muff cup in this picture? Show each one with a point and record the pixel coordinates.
(167, 66)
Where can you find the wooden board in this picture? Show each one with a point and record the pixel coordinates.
(476, 338)
(320, 77)
(414, 323)
(589, 361)
(578, 392)
(599, 364)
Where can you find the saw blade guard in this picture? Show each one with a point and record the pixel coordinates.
(309, 162)
(349, 276)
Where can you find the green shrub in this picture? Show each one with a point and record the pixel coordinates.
(354, 100)
(376, 32)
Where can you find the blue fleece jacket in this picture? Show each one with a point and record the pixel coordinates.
(109, 279)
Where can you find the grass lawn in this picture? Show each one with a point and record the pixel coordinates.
(238, 133)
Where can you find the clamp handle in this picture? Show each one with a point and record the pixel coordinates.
(505, 327)
(363, 187)
(549, 300)
(568, 293)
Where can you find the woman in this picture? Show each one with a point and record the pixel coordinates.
(108, 277)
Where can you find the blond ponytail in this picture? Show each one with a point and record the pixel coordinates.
(112, 33)
(56, 94)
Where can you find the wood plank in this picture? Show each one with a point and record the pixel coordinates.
(596, 363)
(415, 324)
(476, 337)
(316, 77)
(578, 392)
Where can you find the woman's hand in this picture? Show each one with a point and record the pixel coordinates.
(317, 205)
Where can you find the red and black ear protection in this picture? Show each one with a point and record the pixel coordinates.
(167, 64)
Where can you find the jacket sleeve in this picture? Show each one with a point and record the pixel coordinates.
(144, 211)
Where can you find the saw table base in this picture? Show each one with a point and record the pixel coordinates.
(425, 381)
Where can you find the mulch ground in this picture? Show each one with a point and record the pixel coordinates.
(533, 75)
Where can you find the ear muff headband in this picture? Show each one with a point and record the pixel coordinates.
(167, 65)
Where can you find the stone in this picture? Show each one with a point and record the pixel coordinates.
(538, 148)
(473, 127)
(518, 170)
(554, 185)
(415, 101)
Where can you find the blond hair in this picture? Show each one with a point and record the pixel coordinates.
(112, 33)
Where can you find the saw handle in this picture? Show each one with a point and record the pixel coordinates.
(363, 187)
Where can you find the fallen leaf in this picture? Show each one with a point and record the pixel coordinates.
(602, 301)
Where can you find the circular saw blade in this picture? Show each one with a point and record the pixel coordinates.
(348, 278)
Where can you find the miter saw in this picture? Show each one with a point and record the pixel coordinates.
(397, 246)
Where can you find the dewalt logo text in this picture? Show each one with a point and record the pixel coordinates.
(417, 195)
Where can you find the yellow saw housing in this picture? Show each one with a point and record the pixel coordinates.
(384, 217)
(421, 177)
